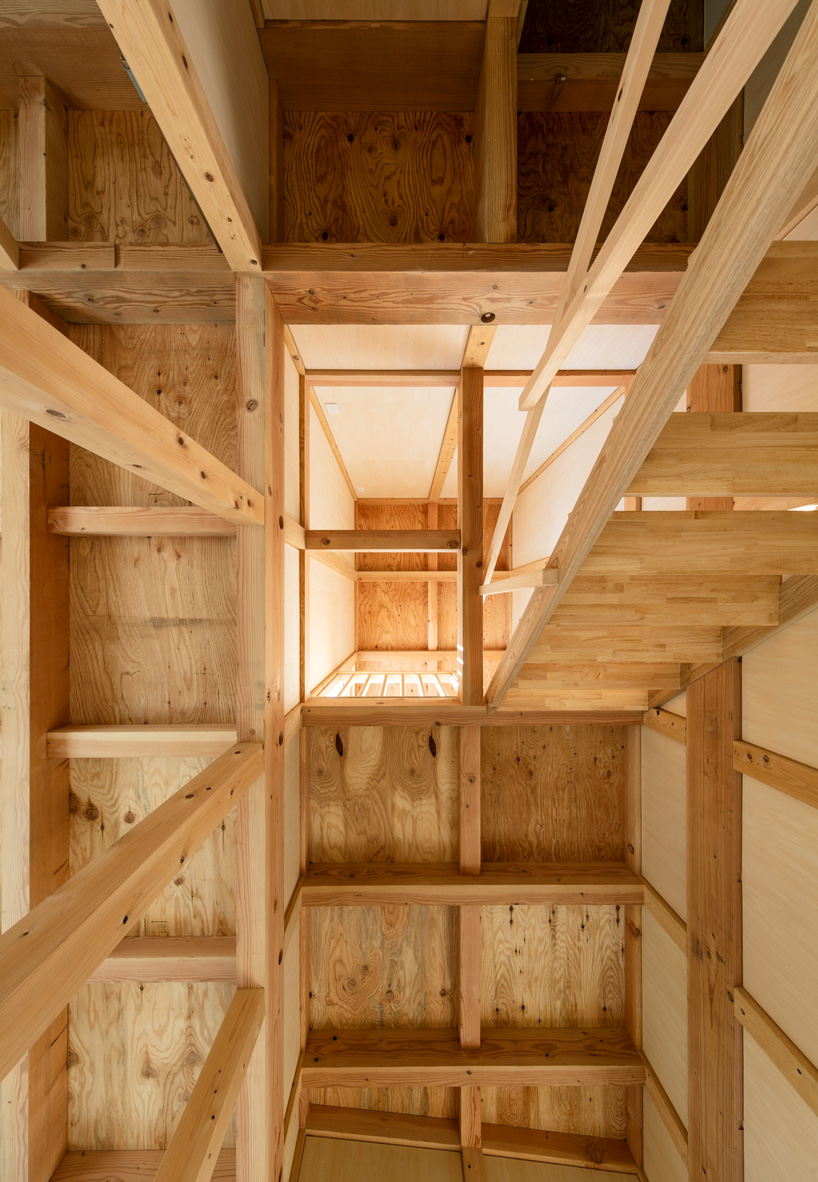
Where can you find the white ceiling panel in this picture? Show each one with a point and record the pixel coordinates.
(389, 438)
(381, 346)
(602, 346)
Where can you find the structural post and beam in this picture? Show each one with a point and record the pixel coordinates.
(50, 381)
(260, 715)
(773, 168)
(470, 522)
(495, 127)
(42, 134)
(714, 958)
(48, 954)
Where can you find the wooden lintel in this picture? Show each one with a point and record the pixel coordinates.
(798, 780)
(534, 578)
(396, 541)
(156, 959)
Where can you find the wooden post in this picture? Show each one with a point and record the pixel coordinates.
(714, 964)
(42, 130)
(495, 127)
(633, 927)
(304, 762)
(260, 715)
(470, 522)
(469, 934)
(33, 788)
(431, 586)
(715, 388)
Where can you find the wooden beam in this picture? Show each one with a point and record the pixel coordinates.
(671, 600)
(51, 952)
(714, 961)
(498, 884)
(777, 771)
(42, 129)
(510, 1058)
(34, 787)
(386, 1128)
(610, 401)
(470, 522)
(116, 521)
(152, 41)
(260, 898)
(399, 541)
(799, 1072)
(448, 447)
(666, 917)
(470, 800)
(564, 1149)
(48, 380)
(631, 802)
(139, 742)
(534, 578)
(740, 45)
(193, 1150)
(474, 1167)
(590, 81)
(450, 712)
(129, 1165)
(157, 959)
(495, 130)
(672, 726)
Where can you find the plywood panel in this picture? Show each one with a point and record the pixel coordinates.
(381, 346)
(677, 705)
(506, 1169)
(392, 515)
(557, 153)
(292, 628)
(350, 1161)
(599, 26)
(664, 818)
(551, 794)
(780, 906)
(780, 1131)
(664, 1011)
(361, 177)
(110, 796)
(135, 1052)
(663, 1162)
(9, 172)
(552, 966)
(124, 185)
(383, 795)
(292, 433)
(331, 620)
(779, 387)
(292, 1013)
(331, 504)
(393, 616)
(592, 1112)
(779, 704)
(384, 967)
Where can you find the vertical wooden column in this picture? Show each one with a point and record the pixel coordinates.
(304, 736)
(42, 129)
(717, 389)
(495, 127)
(714, 941)
(260, 714)
(276, 164)
(431, 593)
(469, 943)
(633, 927)
(470, 522)
(33, 789)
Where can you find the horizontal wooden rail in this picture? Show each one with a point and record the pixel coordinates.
(154, 959)
(498, 884)
(666, 917)
(129, 1165)
(406, 576)
(565, 1149)
(446, 712)
(534, 578)
(115, 521)
(134, 741)
(507, 1058)
(664, 722)
(48, 955)
(447, 378)
(47, 379)
(780, 1050)
(194, 1147)
(798, 780)
(395, 541)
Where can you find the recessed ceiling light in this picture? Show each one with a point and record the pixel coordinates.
(332, 408)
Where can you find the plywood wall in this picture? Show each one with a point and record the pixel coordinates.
(9, 172)
(664, 818)
(591, 1112)
(362, 177)
(664, 1011)
(662, 1160)
(350, 1161)
(780, 1131)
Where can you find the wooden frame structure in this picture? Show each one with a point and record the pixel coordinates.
(628, 609)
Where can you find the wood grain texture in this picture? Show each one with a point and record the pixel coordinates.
(591, 1112)
(562, 27)
(441, 1103)
(664, 1011)
(552, 793)
(664, 818)
(387, 967)
(360, 177)
(124, 185)
(110, 796)
(557, 152)
(347, 1161)
(134, 1099)
(134, 1165)
(42, 135)
(9, 172)
(780, 1131)
(552, 966)
(382, 795)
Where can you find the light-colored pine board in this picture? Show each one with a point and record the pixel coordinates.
(787, 775)
(780, 1130)
(156, 960)
(586, 1112)
(664, 1011)
(347, 1161)
(779, 710)
(130, 1166)
(664, 813)
(662, 1158)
